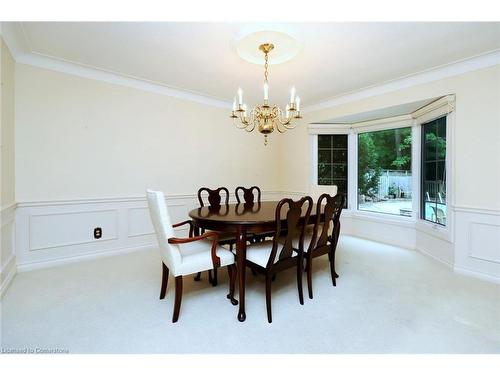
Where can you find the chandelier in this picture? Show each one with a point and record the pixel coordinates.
(265, 117)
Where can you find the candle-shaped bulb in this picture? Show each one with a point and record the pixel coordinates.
(266, 91)
(240, 96)
(298, 103)
(292, 95)
(287, 111)
(234, 104)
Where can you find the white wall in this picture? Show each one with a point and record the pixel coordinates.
(80, 138)
(7, 171)
(86, 151)
(475, 171)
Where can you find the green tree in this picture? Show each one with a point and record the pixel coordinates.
(368, 165)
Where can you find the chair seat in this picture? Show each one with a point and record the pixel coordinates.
(196, 257)
(259, 253)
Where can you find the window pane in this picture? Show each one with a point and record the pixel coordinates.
(340, 142)
(339, 156)
(324, 156)
(324, 141)
(332, 161)
(324, 171)
(384, 171)
(433, 206)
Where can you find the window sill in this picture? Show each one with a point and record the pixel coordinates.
(380, 217)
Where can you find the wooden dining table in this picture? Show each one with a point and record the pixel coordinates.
(243, 220)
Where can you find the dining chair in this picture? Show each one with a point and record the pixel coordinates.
(272, 256)
(184, 256)
(325, 235)
(215, 198)
(248, 194)
(248, 197)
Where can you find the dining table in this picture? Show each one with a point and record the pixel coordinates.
(245, 220)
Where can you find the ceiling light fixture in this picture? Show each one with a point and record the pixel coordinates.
(265, 117)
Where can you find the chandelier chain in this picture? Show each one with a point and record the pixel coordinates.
(265, 68)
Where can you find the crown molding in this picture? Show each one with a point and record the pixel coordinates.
(449, 70)
(18, 43)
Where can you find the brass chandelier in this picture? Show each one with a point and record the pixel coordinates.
(266, 117)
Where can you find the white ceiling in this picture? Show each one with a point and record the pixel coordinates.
(335, 58)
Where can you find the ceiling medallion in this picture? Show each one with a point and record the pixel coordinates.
(265, 117)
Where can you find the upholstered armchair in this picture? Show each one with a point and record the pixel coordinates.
(185, 256)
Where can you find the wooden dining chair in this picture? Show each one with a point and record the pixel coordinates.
(215, 198)
(247, 194)
(184, 256)
(272, 256)
(325, 235)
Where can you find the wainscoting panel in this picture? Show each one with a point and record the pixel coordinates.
(58, 232)
(477, 246)
(7, 246)
(60, 229)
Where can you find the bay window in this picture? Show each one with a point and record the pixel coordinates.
(399, 163)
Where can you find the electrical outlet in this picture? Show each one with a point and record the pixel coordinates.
(97, 233)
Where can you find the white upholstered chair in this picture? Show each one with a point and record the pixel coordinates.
(184, 256)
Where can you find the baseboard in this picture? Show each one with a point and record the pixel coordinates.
(478, 275)
(7, 275)
(81, 258)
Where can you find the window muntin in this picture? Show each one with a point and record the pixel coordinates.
(384, 171)
(332, 161)
(433, 180)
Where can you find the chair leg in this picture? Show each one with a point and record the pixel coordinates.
(212, 280)
(197, 277)
(331, 258)
(178, 298)
(309, 277)
(231, 270)
(299, 279)
(164, 281)
(268, 298)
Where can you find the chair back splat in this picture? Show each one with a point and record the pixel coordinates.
(214, 196)
(248, 194)
(328, 210)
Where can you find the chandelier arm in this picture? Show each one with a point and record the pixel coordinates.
(250, 129)
(281, 130)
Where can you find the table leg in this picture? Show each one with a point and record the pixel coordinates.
(241, 250)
